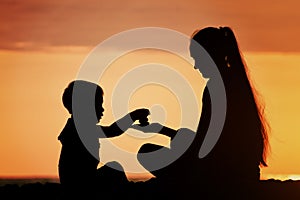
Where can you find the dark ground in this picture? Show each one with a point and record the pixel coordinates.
(266, 190)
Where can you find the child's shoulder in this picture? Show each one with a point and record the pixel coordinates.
(69, 130)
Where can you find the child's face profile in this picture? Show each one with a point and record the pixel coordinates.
(99, 106)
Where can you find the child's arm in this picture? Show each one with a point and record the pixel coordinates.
(120, 126)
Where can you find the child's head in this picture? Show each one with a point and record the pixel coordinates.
(68, 96)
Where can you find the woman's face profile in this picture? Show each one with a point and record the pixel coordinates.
(198, 65)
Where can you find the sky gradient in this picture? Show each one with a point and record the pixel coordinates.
(260, 25)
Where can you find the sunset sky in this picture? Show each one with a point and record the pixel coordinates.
(44, 43)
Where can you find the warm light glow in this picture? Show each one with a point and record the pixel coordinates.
(293, 177)
(32, 113)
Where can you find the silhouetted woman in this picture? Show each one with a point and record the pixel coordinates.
(243, 144)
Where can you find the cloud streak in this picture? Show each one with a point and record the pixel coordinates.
(32, 24)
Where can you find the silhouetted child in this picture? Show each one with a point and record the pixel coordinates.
(79, 155)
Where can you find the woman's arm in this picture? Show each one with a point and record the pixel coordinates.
(156, 128)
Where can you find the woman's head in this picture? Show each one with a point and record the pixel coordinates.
(67, 97)
(221, 45)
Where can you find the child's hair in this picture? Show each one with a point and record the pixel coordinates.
(68, 93)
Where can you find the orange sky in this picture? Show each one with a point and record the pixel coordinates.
(43, 44)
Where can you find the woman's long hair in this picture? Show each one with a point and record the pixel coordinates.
(222, 46)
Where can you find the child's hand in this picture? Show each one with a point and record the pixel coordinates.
(141, 115)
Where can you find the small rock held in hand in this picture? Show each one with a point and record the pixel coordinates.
(143, 122)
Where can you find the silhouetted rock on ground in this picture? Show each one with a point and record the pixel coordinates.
(265, 190)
